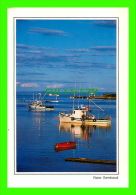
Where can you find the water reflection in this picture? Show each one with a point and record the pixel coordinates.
(82, 131)
(38, 121)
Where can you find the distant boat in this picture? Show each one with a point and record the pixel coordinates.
(38, 105)
(65, 144)
(48, 101)
(50, 94)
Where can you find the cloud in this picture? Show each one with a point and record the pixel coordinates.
(81, 72)
(23, 46)
(79, 50)
(103, 51)
(54, 85)
(96, 51)
(104, 48)
(48, 32)
(31, 73)
(17, 83)
(59, 59)
(29, 85)
(47, 59)
(105, 23)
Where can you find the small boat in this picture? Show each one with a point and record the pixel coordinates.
(55, 101)
(38, 105)
(50, 94)
(65, 144)
(50, 101)
(65, 148)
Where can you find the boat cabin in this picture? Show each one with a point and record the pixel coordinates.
(78, 113)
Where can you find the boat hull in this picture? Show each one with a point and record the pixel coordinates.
(65, 148)
(40, 108)
(65, 145)
(65, 119)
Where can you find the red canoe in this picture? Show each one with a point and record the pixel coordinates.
(65, 144)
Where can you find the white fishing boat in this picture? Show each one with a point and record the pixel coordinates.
(38, 105)
(82, 116)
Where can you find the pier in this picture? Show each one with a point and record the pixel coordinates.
(84, 160)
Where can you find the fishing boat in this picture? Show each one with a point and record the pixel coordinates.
(50, 94)
(82, 115)
(65, 144)
(55, 101)
(38, 105)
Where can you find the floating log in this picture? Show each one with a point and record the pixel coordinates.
(84, 160)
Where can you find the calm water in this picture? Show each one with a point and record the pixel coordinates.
(38, 132)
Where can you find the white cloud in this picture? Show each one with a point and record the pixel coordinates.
(49, 32)
(29, 85)
(54, 85)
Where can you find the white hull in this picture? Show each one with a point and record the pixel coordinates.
(102, 122)
(38, 108)
(54, 101)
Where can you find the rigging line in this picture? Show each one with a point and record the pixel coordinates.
(43, 97)
(97, 105)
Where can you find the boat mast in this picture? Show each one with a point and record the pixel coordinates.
(88, 103)
(79, 96)
(74, 98)
(73, 102)
(40, 97)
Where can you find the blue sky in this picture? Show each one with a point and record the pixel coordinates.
(60, 53)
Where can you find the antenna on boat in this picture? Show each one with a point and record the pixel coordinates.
(88, 103)
(39, 96)
(33, 96)
(74, 98)
(79, 96)
(73, 103)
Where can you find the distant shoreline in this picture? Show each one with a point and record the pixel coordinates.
(104, 97)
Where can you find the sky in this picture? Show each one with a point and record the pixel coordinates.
(59, 53)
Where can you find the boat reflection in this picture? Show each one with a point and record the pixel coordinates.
(82, 131)
(38, 120)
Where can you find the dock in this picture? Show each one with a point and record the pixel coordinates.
(84, 160)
